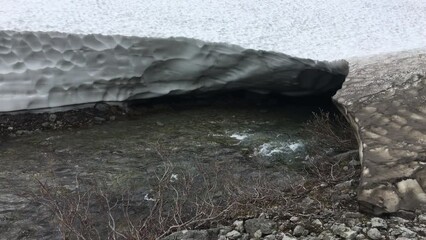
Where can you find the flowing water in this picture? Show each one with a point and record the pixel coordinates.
(245, 139)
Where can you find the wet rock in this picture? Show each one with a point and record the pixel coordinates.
(267, 226)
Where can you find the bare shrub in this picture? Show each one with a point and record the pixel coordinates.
(333, 145)
(331, 132)
(189, 201)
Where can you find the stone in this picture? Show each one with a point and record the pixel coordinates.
(342, 231)
(99, 119)
(52, 117)
(405, 232)
(300, 231)
(317, 223)
(189, 235)
(102, 107)
(344, 185)
(238, 225)
(233, 234)
(294, 219)
(360, 236)
(269, 237)
(422, 218)
(267, 226)
(383, 99)
(285, 237)
(258, 234)
(379, 223)
(374, 234)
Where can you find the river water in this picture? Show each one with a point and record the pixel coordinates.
(245, 139)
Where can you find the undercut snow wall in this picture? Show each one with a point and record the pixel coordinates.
(52, 69)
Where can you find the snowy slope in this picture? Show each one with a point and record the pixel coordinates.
(319, 29)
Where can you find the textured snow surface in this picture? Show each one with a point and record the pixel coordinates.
(51, 69)
(319, 29)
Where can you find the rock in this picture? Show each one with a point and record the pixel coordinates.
(233, 234)
(343, 185)
(245, 236)
(317, 223)
(224, 230)
(269, 237)
(374, 234)
(265, 225)
(160, 124)
(360, 236)
(221, 237)
(379, 223)
(102, 107)
(99, 119)
(285, 237)
(52, 117)
(238, 225)
(343, 231)
(407, 232)
(294, 219)
(257, 234)
(353, 215)
(422, 218)
(189, 235)
(307, 202)
(45, 124)
(300, 231)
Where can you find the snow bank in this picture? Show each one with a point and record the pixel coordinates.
(317, 29)
(51, 69)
